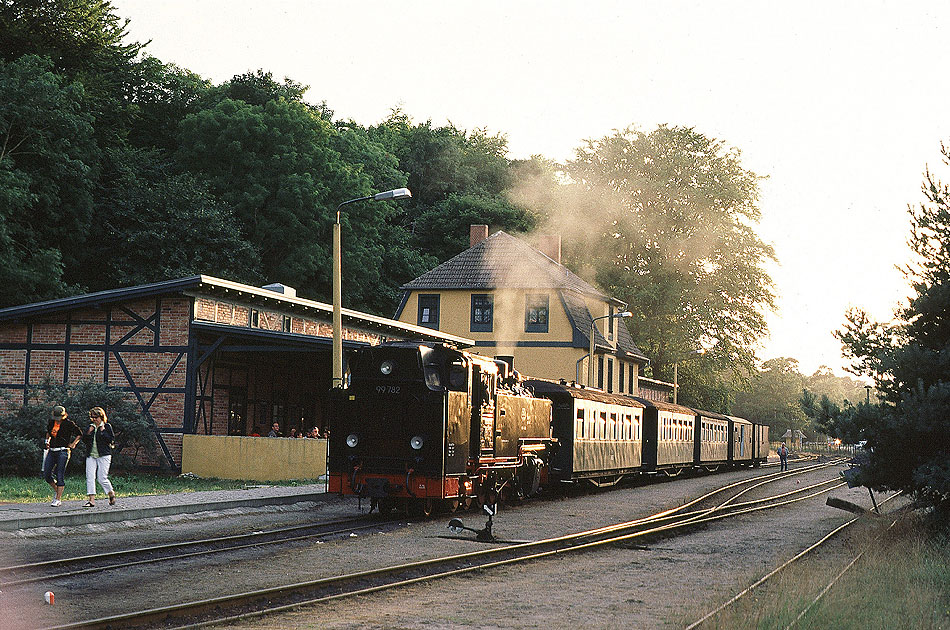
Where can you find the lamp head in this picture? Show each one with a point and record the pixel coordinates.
(398, 193)
(623, 314)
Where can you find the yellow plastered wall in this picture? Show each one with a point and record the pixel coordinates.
(508, 327)
(253, 458)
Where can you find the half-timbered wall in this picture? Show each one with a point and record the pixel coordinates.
(140, 347)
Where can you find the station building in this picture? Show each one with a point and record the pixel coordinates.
(520, 304)
(200, 355)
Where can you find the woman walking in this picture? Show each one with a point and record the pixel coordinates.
(98, 438)
(62, 436)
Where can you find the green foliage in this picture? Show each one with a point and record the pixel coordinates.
(47, 159)
(156, 225)
(664, 221)
(771, 397)
(908, 435)
(22, 431)
(273, 165)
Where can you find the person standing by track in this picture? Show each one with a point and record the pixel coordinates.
(62, 436)
(99, 438)
(783, 456)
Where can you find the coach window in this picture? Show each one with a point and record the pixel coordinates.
(612, 427)
(579, 424)
(601, 424)
(536, 313)
(429, 311)
(482, 307)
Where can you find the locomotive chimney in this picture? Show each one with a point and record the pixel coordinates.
(477, 234)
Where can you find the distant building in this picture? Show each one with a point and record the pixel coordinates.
(520, 304)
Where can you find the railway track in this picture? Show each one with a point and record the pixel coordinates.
(84, 565)
(248, 605)
(791, 561)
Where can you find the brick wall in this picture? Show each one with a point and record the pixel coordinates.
(222, 312)
(139, 346)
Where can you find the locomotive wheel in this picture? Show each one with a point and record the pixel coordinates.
(421, 507)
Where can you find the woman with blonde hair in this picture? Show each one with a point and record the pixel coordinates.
(99, 439)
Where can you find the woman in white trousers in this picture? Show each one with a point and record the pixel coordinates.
(99, 439)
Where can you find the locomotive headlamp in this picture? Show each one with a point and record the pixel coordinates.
(416, 442)
(352, 440)
(386, 367)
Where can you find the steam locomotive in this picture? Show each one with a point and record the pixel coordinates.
(424, 426)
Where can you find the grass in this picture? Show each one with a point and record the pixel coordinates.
(14, 489)
(902, 581)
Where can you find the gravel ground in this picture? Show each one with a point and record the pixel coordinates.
(651, 585)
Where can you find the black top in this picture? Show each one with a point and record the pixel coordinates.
(68, 431)
(104, 439)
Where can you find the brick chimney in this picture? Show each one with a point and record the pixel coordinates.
(550, 246)
(477, 234)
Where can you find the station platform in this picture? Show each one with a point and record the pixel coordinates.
(17, 516)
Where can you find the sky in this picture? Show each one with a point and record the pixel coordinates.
(840, 106)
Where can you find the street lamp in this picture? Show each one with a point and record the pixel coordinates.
(590, 357)
(398, 193)
(681, 357)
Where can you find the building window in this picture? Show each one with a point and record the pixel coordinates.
(620, 377)
(482, 308)
(630, 381)
(536, 313)
(600, 372)
(610, 324)
(286, 324)
(610, 375)
(255, 318)
(429, 311)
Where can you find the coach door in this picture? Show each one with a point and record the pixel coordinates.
(483, 406)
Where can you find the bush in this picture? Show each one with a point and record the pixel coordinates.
(22, 431)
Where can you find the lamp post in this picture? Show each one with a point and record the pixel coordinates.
(590, 357)
(398, 193)
(676, 385)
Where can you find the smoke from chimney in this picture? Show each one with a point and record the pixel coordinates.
(550, 246)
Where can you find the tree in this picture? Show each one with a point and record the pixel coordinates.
(908, 432)
(48, 161)
(772, 397)
(156, 224)
(665, 221)
(457, 178)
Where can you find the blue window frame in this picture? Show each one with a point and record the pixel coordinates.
(429, 311)
(482, 312)
(536, 313)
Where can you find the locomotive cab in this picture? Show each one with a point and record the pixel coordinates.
(402, 428)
